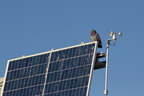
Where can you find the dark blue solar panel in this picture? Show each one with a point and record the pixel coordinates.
(66, 74)
(26, 77)
(69, 70)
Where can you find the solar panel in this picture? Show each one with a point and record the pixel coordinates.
(63, 72)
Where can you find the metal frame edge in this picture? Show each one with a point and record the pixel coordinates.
(92, 68)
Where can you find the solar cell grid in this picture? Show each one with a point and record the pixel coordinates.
(25, 76)
(69, 69)
(60, 73)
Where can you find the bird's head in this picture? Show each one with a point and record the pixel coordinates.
(93, 32)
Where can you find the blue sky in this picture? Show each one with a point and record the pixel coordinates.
(34, 26)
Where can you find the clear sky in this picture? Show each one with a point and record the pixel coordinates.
(33, 26)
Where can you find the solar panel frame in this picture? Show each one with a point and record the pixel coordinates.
(92, 68)
(48, 63)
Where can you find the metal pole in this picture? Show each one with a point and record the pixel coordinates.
(107, 54)
(106, 75)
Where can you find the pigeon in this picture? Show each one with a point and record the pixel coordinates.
(95, 37)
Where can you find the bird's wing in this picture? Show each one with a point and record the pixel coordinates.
(97, 37)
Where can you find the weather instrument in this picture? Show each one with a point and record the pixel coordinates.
(113, 35)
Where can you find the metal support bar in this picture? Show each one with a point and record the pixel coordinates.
(106, 75)
(99, 64)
